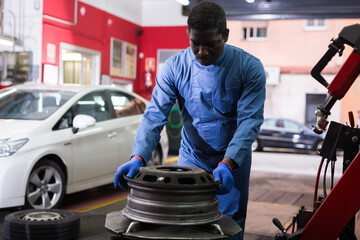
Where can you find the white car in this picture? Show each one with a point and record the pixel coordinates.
(56, 140)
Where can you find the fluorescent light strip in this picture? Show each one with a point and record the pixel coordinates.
(184, 2)
(71, 57)
(6, 42)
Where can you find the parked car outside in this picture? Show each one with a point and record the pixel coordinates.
(56, 140)
(287, 133)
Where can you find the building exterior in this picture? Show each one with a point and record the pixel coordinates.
(289, 49)
(126, 42)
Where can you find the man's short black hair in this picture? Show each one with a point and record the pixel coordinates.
(207, 15)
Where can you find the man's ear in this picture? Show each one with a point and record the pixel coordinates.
(188, 33)
(226, 35)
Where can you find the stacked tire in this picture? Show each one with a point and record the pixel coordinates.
(40, 224)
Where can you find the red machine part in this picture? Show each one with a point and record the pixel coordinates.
(338, 208)
(341, 205)
(345, 77)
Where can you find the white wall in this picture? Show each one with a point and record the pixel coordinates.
(130, 10)
(143, 12)
(162, 13)
(288, 98)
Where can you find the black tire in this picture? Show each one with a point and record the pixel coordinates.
(45, 188)
(155, 158)
(41, 224)
(256, 146)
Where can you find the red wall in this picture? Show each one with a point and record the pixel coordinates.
(91, 30)
(154, 38)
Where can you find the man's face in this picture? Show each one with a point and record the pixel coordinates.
(207, 45)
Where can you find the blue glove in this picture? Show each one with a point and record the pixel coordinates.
(223, 173)
(129, 169)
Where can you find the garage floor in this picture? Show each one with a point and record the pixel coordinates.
(270, 196)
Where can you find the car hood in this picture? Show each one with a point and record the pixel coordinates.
(311, 132)
(10, 128)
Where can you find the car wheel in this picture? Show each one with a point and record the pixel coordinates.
(256, 146)
(46, 186)
(155, 158)
(42, 224)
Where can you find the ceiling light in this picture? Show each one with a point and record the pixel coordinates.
(7, 41)
(184, 2)
(69, 56)
(250, 1)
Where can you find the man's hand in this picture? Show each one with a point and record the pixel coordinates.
(129, 169)
(223, 173)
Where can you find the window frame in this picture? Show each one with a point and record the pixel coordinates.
(247, 30)
(316, 26)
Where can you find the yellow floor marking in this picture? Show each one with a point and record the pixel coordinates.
(101, 205)
(172, 159)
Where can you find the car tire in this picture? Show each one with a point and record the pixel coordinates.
(42, 224)
(155, 158)
(256, 146)
(45, 188)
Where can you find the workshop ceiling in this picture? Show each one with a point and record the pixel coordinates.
(288, 9)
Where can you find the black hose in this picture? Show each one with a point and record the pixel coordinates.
(324, 180)
(317, 182)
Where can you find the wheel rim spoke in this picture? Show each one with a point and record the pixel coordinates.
(46, 202)
(35, 180)
(54, 188)
(49, 173)
(33, 196)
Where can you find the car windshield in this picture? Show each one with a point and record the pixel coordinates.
(31, 104)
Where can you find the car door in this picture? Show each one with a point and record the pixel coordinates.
(270, 133)
(95, 148)
(292, 134)
(128, 111)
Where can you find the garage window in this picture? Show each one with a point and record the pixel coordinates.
(126, 105)
(315, 25)
(254, 30)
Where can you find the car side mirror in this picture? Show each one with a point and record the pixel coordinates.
(82, 121)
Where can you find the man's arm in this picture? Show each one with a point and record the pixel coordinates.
(250, 114)
(156, 114)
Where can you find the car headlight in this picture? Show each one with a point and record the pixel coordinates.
(7, 148)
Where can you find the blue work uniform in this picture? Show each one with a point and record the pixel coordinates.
(222, 109)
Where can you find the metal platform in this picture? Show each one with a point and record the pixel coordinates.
(129, 229)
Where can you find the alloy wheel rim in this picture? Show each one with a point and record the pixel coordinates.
(44, 188)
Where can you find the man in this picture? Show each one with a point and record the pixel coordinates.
(221, 93)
